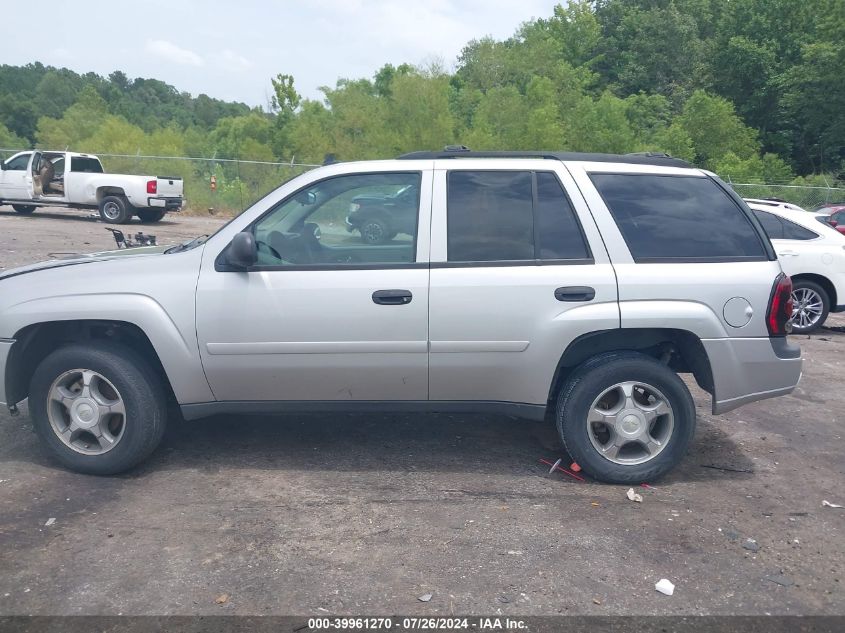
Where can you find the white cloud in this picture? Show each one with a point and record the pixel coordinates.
(232, 61)
(170, 52)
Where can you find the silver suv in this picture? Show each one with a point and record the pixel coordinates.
(564, 287)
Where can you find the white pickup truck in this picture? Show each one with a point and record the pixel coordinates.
(33, 179)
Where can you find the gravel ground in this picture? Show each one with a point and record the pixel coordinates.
(354, 514)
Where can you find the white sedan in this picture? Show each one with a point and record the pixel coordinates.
(811, 252)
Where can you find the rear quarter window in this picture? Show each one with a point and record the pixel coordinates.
(771, 224)
(792, 231)
(679, 218)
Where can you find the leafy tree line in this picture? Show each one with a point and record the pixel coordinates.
(752, 89)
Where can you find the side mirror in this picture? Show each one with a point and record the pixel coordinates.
(307, 198)
(243, 251)
(833, 223)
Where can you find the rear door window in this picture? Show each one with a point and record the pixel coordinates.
(85, 164)
(679, 218)
(560, 235)
(490, 216)
(506, 216)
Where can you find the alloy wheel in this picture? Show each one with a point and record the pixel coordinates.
(86, 411)
(630, 423)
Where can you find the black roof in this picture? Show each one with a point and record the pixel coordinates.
(663, 160)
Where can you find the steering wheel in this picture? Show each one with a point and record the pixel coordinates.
(269, 247)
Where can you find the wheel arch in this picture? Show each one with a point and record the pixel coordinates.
(681, 350)
(138, 319)
(35, 342)
(103, 192)
(824, 282)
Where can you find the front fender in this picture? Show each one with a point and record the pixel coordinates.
(178, 354)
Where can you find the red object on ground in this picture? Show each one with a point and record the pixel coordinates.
(563, 470)
(574, 467)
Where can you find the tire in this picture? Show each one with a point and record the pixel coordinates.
(581, 438)
(115, 210)
(125, 378)
(24, 209)
(150, 216)
(374, 231)
(812, 305)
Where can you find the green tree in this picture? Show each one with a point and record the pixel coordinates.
(715, 129)
(11, 141)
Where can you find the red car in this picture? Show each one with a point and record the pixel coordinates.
(835, 215)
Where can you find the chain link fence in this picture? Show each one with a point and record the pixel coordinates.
(236, 183)
(805, 196)
(239, 183)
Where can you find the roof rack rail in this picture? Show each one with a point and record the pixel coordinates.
(460, 151)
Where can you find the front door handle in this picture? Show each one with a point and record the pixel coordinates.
(392, 297)
(575, 293)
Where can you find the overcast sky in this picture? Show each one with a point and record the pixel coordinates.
(231, 49)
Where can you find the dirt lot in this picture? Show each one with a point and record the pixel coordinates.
(314, 514)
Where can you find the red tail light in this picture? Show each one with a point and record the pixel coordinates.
(779, 314)
(152, 186)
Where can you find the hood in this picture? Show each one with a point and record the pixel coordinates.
(72, 260)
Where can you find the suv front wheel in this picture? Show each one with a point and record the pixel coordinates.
(625, 418)
(97, 408)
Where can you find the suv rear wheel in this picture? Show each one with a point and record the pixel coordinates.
(625, 417)
(98, 409)
(24, 209)
(810, 306)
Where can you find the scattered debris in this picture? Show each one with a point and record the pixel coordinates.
(596, 601)
(665, 587)
(828, 504)
(504, 599)
(780, 579)
(425, 597)
(594, 504)
(751, 545)
(728, 469)
(574, 467)
(223, 598)
(557, 466)
(50, 521)
(633, 496)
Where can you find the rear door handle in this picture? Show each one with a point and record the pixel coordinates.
(575, 293)
(392, 297)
